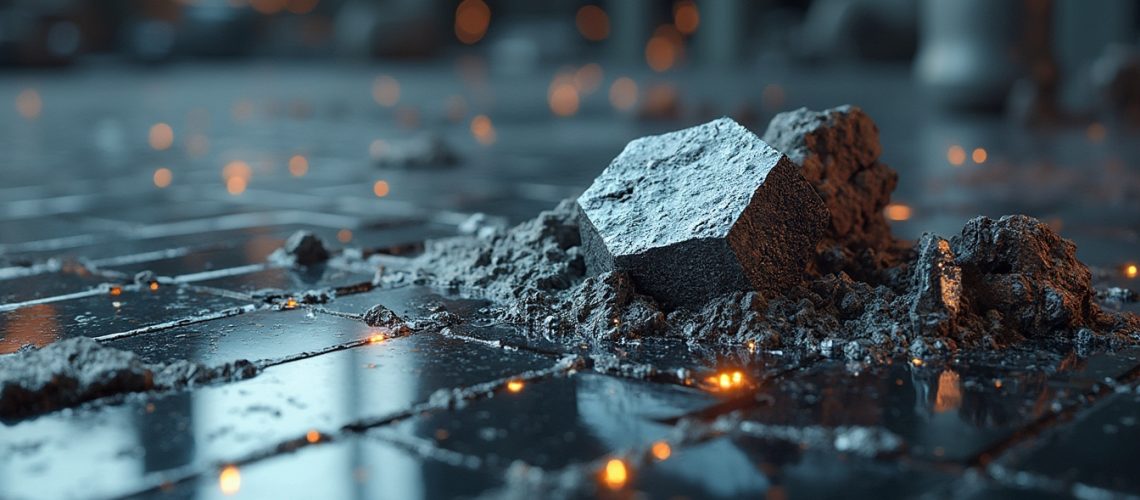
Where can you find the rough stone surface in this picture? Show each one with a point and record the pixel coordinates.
(538, 256)
(994, 285)
(303, 248)
(75, 371)
(694, 213)
(936, 287)
(838, 152)
(1018, 267)
(380, 316)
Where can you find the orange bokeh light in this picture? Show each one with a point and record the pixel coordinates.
(161, 136)
(615, 474)
(29, 104)
(472, 17)
(686, 17)
(593, 23)
(483, 130)
(380, 189)
(163, 177)
(623, 94)
(298, 166)
(897, 211)
(956, 155)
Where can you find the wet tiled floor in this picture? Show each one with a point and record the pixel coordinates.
(342, 409)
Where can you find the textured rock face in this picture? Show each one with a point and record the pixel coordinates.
(304, 248)
(1019, 267)
(74, 371)
(698, 212)
(936, 288)
(838, 152)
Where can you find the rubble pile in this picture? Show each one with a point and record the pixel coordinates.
(707, 234)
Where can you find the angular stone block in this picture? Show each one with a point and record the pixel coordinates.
(700, 212)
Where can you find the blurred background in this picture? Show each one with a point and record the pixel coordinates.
(377, 108)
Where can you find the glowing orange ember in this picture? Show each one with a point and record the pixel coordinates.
(161, 136)
(298, 166)
(1131, 271)
(29, 104)
(897, 211)
(162, 177)
(615, 474)
(312, 436)
(116, 291)
(623, 94)
(472, 17)
(290, 303)
(153, 286)
(229, 480)
(956, 155)
(593, 23)
(686, 17)
(725, 381)
(979, 155)
(661, 450)
(515, 385)
(376, 338)
(916, 362)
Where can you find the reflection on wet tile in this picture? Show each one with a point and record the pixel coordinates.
(283, 279)
(51, 284)
(752, 468)
(557, 422)
(259, 335)
(409, 302)
(105, 313)
(355, 468)
(191, 261)
(1095, 450)
(230, 421)
(949, 412)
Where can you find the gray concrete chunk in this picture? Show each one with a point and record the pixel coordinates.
(699, 212)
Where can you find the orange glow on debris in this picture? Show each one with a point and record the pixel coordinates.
(615, 474)
(377, 338)
(116, 291)
(661, 450)
(229, 481)
(916, 362)
(515, 385)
